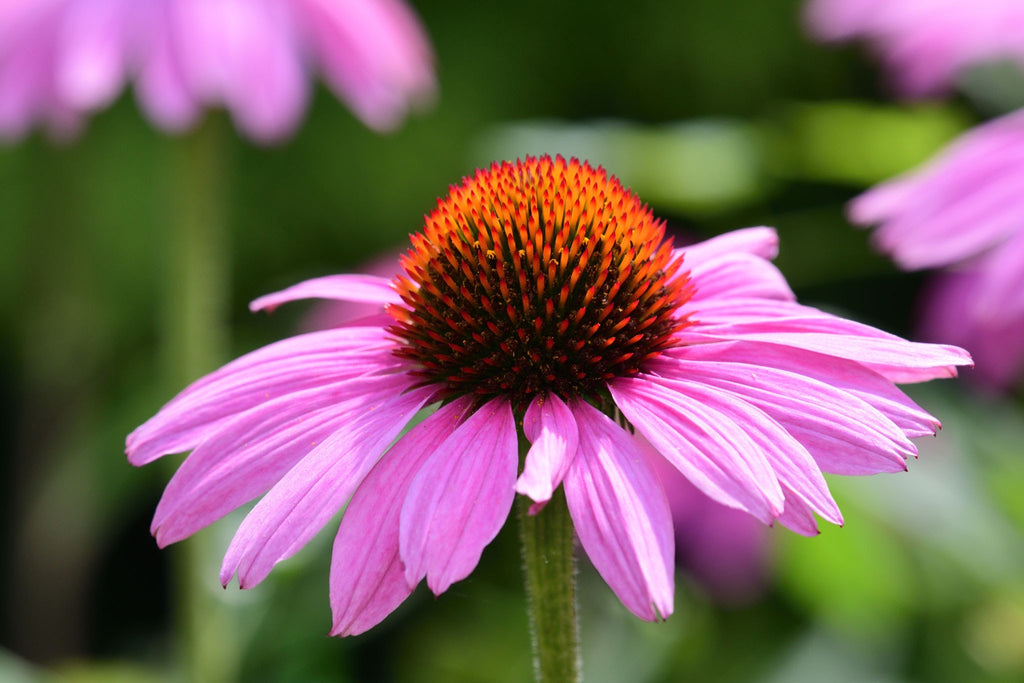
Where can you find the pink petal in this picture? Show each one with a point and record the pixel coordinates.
(248, 454)
(160, 85)
(990, 208)
(367, 574)
(243, 54)
(290, 365)
(786, 323)
(184, 423)
(798, 516)
(93, 52)
(875, 205)
(357, 288)
(739, 275)
(548, 425)
(374, 55)
(621, 515)
(843, 433)
(924, 43)
(26, 59)
(957, 205)
(713, 452)
(315, 489)
(951, 313)
(791, 462)
(761, 241)
(999, 296)
(460, 498)
(846, 375)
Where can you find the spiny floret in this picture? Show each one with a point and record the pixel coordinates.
(542, 275)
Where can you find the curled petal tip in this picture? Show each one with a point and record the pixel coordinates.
(537, 507)
(256, 305)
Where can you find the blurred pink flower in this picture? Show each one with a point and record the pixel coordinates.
(925, 43)
(63, 59)
(539, 294)
(964, 210)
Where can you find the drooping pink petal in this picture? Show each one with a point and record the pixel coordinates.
(927, 229)
(293, 364)
(789, 459)
(62, 59)
(184, 424)
(951, 312)
(621, 514)
(713, 452)
(1000, 291)
(548, 425)
(925, 44)
(316, 488)
(961, 211)
(92, 52)
(460, 498)
(356, 288)
(367, 574)
(798, 515)
(786, 323)
(226, 44)
(26, 85)
(760, 241)
(846, 375)
(161, 84)
(738, 275)
(843, 433)
(247, 454)
(373, 54)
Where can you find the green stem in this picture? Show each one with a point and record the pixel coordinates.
(195, 342)
(198, 270)
(550, 568)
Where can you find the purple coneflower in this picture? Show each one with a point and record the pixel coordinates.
(964, 210)
(540, 304)
(725, 551)
(61, 59)
(925, 43)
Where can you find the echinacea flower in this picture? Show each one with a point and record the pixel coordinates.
(962, 211)
(925, 44)
(540, 297)
(62, 59)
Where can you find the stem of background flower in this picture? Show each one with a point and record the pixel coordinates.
(195, 342)
(548, 543)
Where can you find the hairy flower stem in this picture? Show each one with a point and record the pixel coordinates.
(195, 341)
(547, 541)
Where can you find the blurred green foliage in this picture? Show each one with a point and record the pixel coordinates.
(721, 115)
